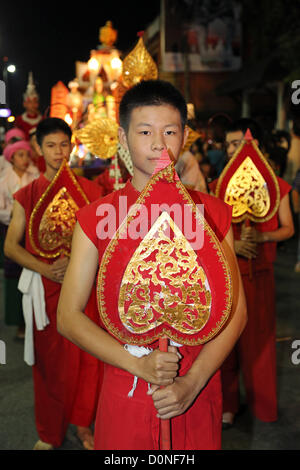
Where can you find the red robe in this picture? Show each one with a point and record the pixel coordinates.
(124, 423)
(26, 122)
(107, 182)
(65, 378)
(255, 352)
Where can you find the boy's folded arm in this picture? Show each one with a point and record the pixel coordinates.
(157, 367)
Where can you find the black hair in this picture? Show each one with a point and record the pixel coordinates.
(279, 156)
(282, 134)
(51, 125)
(243, 124)
(151, 93)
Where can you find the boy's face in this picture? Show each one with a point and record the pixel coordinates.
(55, 148)
(152, 129)
(20, 160)
(233, 141)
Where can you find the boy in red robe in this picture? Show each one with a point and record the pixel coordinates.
(255, 352)
(65, 378)
(152, 117)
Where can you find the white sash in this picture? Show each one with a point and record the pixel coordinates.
(31, 285)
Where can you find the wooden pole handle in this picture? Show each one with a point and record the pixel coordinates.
(165, 425)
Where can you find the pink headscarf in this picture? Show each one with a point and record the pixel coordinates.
(15, 132)
(12, 148)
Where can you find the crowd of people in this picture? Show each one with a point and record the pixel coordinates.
(30, 162)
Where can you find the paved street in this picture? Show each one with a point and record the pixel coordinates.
(17, 429)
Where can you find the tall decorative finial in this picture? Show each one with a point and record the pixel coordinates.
(30, 92)
(138, 65)
(107, 34)
(248, 136)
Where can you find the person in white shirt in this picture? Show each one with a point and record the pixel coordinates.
(20, 173)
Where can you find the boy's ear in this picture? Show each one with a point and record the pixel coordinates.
(38, 148)
(123, 138)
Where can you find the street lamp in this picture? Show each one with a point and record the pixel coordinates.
(11, 68)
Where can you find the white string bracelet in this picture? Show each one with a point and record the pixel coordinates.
(137, 351)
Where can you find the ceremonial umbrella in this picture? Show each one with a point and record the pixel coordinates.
(156, 280)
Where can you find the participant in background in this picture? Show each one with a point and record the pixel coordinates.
(255, 352)
(19, 173)
(65, 378)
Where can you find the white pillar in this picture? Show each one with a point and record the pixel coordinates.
(245, 104)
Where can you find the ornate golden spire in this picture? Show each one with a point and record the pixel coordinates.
(107, 34)
(138, 65)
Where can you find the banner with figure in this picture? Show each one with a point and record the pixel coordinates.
(201, 35)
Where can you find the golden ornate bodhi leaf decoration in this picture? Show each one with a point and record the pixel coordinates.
(58, 222)
(138, 65)
(153, 281)
(100, 137)
(247, 191)
(163, 283)
(52, 220)
(249, 184)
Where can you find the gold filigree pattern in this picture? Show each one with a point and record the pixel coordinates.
(138, 65)
(163, 283)
(58, 222)
(64, 171)
(166, 173)
(247, 191)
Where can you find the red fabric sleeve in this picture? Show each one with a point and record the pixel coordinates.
(88, 221)
(217, 213)
(91, 189)
(23, 195)
(212, 186)
(284, 187)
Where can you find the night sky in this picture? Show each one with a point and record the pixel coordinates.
(48, 38)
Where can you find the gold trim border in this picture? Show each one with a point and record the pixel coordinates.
(167, 173)
(273, 176)
(44, 254)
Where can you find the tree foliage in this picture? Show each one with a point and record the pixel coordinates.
(273, 26)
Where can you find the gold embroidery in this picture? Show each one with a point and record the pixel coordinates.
(272, 174)
(64, 167)
(166, 173)
(58, 222)
(247, 191)
(163, 283)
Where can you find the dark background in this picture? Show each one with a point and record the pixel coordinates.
(47, 38)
